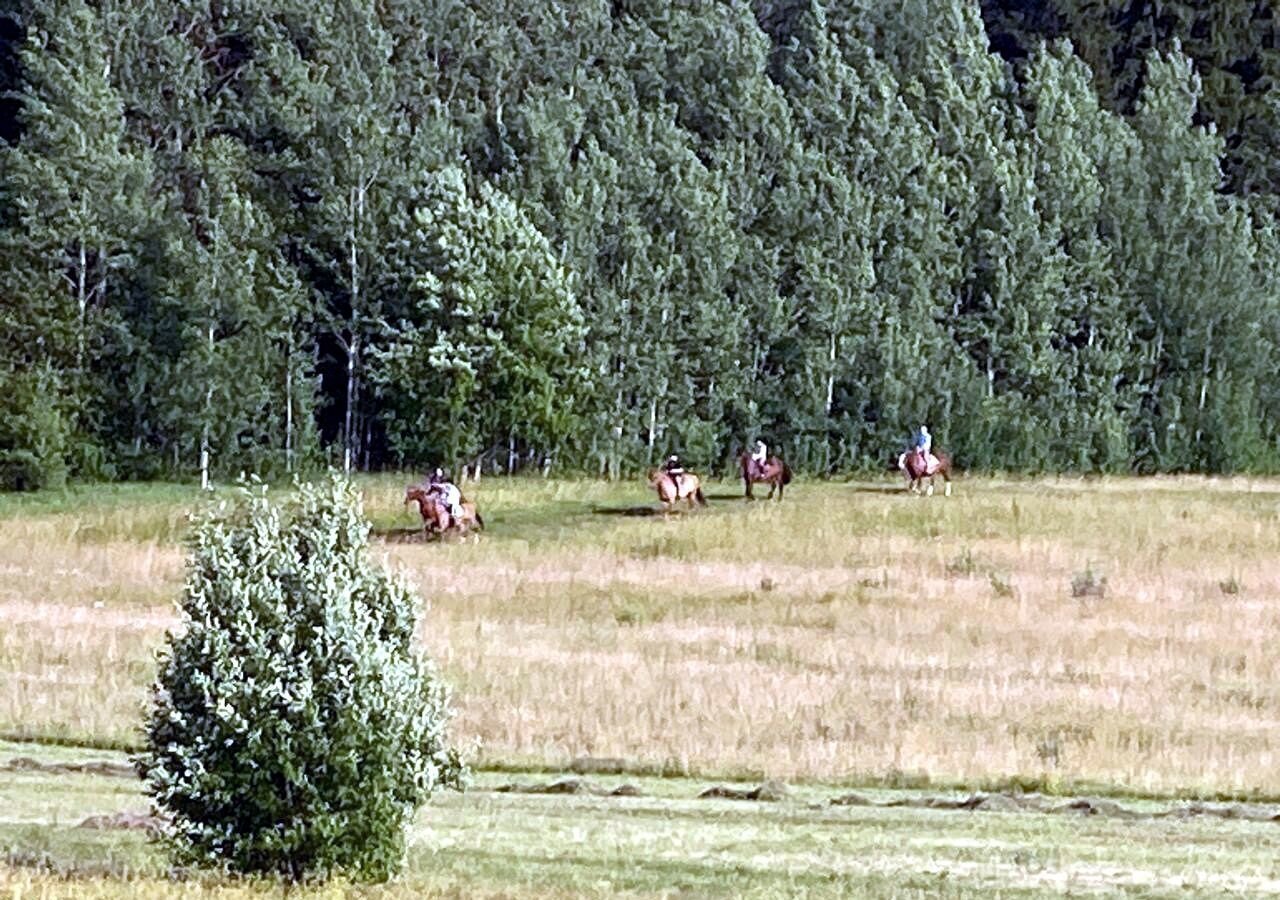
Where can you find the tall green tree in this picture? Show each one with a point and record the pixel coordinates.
(79, 194)
(489, 353)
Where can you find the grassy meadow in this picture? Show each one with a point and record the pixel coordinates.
(1058, 635)
(1111, 634)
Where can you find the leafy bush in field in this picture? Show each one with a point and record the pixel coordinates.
(1088, 583)
(294, 727)
(22, 470)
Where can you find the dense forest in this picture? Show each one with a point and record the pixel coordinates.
(579, 235)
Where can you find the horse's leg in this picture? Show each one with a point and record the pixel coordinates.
(746, 479)
(929, 491)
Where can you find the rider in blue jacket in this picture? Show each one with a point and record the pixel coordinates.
(924, 440)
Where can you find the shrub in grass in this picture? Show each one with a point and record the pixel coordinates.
(22, 470)
(294, 728)
(1089, 583)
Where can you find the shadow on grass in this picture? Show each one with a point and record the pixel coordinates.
(877, 488)
(400, 535)
(629, 511)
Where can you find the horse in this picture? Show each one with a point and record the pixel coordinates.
(773, 472)
(690, 489)
(436, 518)
(914, 468)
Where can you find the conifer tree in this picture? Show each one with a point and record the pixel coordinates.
(78, 191)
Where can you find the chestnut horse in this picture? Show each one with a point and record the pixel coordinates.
(436, 518)
(690, 489)
(914, 468)
(773, 472)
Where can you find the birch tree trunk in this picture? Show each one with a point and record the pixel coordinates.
(355, 212)
(208, 411)
(288, 411)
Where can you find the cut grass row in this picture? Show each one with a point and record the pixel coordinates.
(664, 843)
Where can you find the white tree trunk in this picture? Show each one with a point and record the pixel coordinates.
(653, 426)
(208, 412)
(831, 377)
(1204, 382)
(347, 439)
(355, 211)
(288, 412)
(82, 303)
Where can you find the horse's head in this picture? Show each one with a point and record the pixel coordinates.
(416, 493)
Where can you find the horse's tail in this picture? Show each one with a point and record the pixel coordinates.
(786, 474)
(479, 521)
(700, 497)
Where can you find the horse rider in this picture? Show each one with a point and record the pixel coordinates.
(675, 471)
(760, 455)
(447, 492)
(924, 445)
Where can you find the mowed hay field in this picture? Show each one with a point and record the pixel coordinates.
(1056, 634)
(58, 840)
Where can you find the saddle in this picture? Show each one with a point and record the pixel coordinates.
(931, 462)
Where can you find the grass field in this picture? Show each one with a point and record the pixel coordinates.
(667, 842)
(1105, 636)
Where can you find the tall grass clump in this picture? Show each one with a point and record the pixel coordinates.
(294, 728)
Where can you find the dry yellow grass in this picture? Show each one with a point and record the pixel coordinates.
(850, 633)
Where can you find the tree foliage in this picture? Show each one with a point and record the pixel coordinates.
(294, 728)
(508, 234)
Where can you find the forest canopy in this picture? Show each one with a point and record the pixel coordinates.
(238, 235)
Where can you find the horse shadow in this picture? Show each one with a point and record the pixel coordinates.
(399, 535)
(898, 488)
(626, 511)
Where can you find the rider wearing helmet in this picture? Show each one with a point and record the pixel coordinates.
(675, 470)
(447, 492)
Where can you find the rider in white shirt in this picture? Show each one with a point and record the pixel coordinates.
(448, 492)
(760, 454)
(924, 440)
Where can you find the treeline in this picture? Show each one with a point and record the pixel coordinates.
(237, 235)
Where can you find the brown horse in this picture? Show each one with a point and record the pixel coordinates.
(690, 489)
(914, 468)
(436, 518)
(773, 472)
